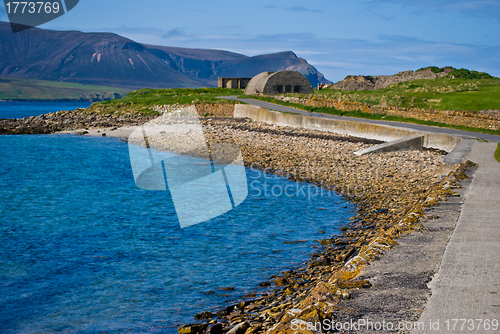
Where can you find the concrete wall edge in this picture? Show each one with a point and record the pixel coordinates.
(384, 133)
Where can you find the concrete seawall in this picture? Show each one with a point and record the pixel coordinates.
(363, 130)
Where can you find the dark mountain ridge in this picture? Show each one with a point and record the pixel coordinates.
(109, 59)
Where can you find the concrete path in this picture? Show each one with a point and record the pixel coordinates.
(424, 128)
(460, 152)
(467, 285)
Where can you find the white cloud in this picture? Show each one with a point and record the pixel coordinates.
(334, 64)
(310, 52)
(255, 52)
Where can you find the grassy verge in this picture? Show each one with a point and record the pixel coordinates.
(143, 101)
(284, 103)
(497, 153)
(360, 114)
(20, 89)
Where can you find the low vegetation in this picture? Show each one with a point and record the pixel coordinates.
(145, 100)
(461, 73)
(20, 89)
(497, 153)
(459, 93)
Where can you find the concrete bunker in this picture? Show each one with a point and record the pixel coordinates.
(240, 83)
(279, 83)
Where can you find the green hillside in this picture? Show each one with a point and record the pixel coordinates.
(459, 90)
(20, 89)
(443, 94)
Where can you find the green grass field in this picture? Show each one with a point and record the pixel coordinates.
(20, 89)
(442, 94)
(142, 101)
(497, 153)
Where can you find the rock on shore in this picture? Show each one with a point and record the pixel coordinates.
(68, 120)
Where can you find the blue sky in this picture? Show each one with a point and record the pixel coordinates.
(337, 37)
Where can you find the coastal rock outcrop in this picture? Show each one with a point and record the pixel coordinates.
(362, 82)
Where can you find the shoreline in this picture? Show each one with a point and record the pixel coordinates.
(385, 188)
(68, 120)
(267, 147)
(113, 132)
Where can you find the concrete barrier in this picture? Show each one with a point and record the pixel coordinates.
(441, 141)
(408, 143)
(460, 152)
(357, 129)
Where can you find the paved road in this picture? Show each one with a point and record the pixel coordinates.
(467, 285)
(416, 127)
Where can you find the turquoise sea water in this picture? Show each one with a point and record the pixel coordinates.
(82, 249)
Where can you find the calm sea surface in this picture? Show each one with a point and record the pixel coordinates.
(26, 109)
(82, 249)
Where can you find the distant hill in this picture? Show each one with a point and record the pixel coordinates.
(20, 89)
(362, 82)
(107, 59)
